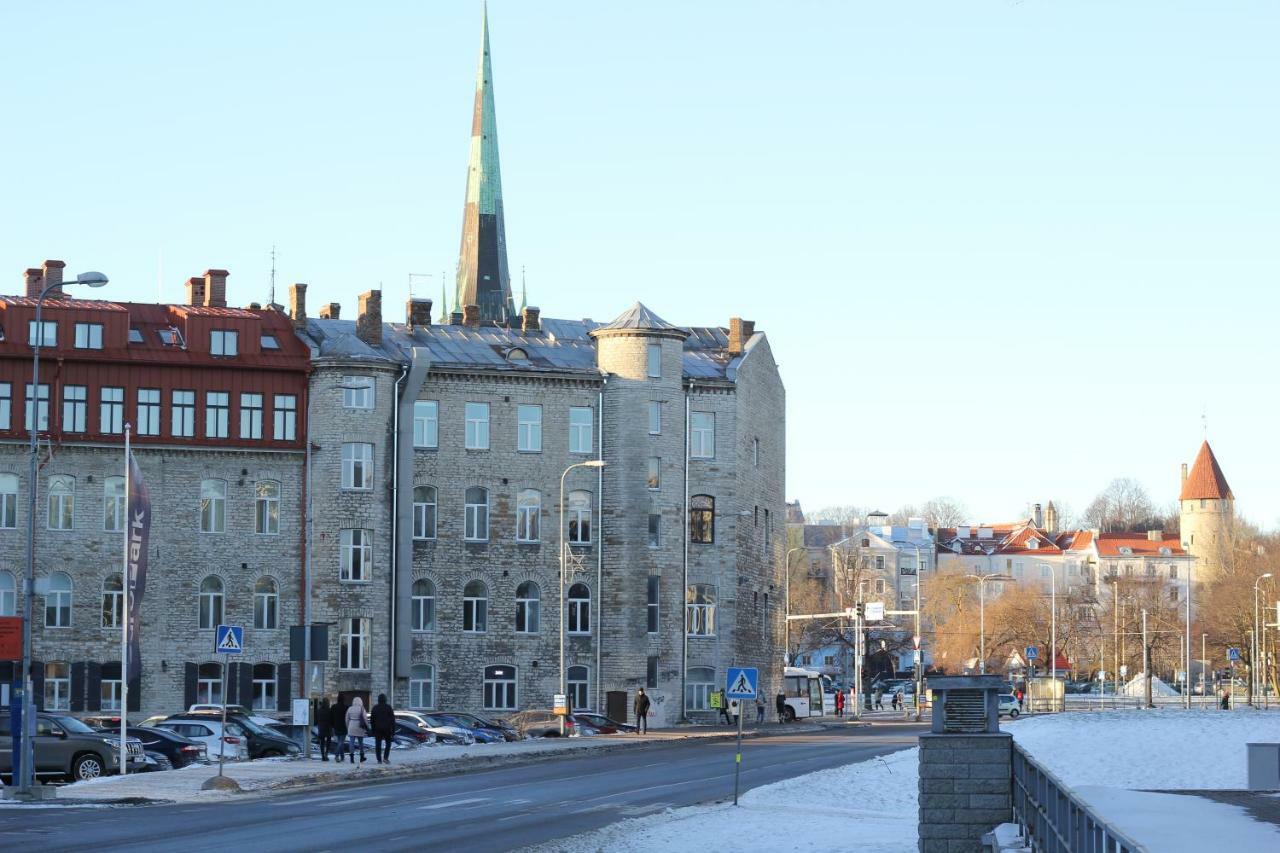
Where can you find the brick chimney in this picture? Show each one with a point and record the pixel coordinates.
(369, 323)
(471, 316)
(740, 331)
(33, 280)
(195, 291)
(455, 318)
(53, 276)
(215, 288)
(298, 304)
(331, 311)
(417, 312)
(529, 319)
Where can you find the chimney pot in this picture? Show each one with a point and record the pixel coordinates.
(369, 323)
(53, 276)
(33, 280)
(471, 316)
(735, 336)
(418, 312)
(331, 311)
(298, 304)
(531, 320)
(215, 288)
(455, 318)
(195, 291)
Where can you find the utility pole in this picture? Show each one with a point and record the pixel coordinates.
(1146, 661)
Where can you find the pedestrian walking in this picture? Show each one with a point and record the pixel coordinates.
(357, 727)
(383, 718)
(642, 712)
(780, 702)
(324, 726)
(759, 710)
(1226, 699)
(877, 699)
(839, 703)
(338, 721)
(897, 701)
(724, 709)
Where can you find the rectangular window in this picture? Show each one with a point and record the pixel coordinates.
(655, 417)
(655, 472)
(42, 407)
(655, 361)
(45, 336)
(8, 516)
(651, 606)
(251, 416)
(75, 407)
(768, 532)
(182, 424)
(286, 425)
(651, 672)
(109, 694)
(529, 429)
(148, 411)
(426, 423)
(353, 644)
(217, 411)
(580, 421)
(111, 411)
(223, 342)
(6, 405)
(880, 562)
(477, 431)
(755, 452)
(88, 336)
(357, 392)
(702, 435)
(655, 530)
(357, 466)
(356, 547)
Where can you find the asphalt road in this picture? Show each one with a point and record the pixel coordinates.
(492, 810)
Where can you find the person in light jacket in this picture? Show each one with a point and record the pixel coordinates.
(357, 727)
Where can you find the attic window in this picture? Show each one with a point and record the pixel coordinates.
(1165, 551)
(1126, 550)
(517, 354)
(171, 337)
(135, 336)
(1033, 544)
(1, 333)
(270, 342)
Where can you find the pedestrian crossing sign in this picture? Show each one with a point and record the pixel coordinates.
(742, 682)
(229, 640)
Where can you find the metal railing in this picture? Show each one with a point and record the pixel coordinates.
(1054, 819)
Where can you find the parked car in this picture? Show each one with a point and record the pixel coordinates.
(474, 723)
(232, 744)
(605, 725)
(262, 741)
(1009, 705)
(233, 711)
(442, 730)
(66, 748)
(547, 724)
(177, 749)
(156, 761)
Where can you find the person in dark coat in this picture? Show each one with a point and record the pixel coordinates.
(642, 712)
(781, 704)
(383, 720)
(338, 719)
(324, 727)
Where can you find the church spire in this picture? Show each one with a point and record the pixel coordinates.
(483, 277)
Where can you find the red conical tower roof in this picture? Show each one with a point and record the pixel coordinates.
(1206, 479)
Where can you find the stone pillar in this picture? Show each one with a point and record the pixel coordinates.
(966, 789)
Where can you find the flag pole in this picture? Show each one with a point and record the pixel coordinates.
(124, 621)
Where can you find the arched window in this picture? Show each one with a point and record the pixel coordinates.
(113, 504)
(579, 609)
(579, 515)
(8, 501)
(57, 686)
(500, 688)
(213, 506)
(57, 601)
(264, 687)
(699, 684)
(476, 527)
(702, 519)
(62, 502)
(8, 594)
(422, 686)
(528, 603)
(112, 600)
(266, 603)
(267, 507)
(211, 602)
(209, 684)
(475, 607)
(578, 678)
(700, 610)
(528, 511)
(424, 605)
(424, 512)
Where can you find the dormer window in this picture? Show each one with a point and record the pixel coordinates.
(44, 334)
(270, 342)
(517, 354)
(224, 342)
(135, 336)
(171, 337)
(1033, 544)
(1126, 550)
(88, 336)
(1165, 551)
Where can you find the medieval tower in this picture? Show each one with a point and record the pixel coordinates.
(1206, 510)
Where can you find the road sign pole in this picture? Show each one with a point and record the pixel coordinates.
(222, 747)
(737, 766)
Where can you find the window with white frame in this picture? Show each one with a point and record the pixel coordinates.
(44, 333)
(476, 518)
(700, 610)
(702, 519)
(528, 513)
(357, 466)
(8, 501)
(74, 408)
(113, 504)
(111, 688)
(357, 392)
(224, 342)
(529, 429)
(700, 683)
(579, 516)
(6, 405)
(1173, 571)
(426, 423)
(477, 426)
(57, 686)
(528, 608)
(112, 600)
(266, 516)
(879, 562)
(251, 416)
(581, 419)
(148, 411)
(217, 412)
(213, 506)
(579, 609)
(353, 643)
(62, 502)
(475, 607)
(655, 472)
(41, 398)
(424, 512)
(57, 601)
(88, 336)
(702, 435)
(182, 422)
(578, 680)
(286, 417)
(8, 594)
(212, 591)
(654, 361)
(879, 586)
(266, 604)
(422, 606)
(422, 686)
(209, 684)
(655, 417)
(264, 687)
(356, 554)
(500, 692)
(651, 603)
(111, 411)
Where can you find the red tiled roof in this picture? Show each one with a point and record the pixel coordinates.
(1206, 479)
(1109, 545)
(1075, 540)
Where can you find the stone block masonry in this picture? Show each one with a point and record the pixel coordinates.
(966, 788)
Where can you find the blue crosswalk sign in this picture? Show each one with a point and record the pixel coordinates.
(1032, 653)
(229, 640)
(1233, 654)
(742, 682)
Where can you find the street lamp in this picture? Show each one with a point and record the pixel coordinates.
(917, 649)
(593, 463)
(26, 780)
(1258, 636)
(1053, 619)
(982, 615)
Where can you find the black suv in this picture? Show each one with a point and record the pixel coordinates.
(262, 742)
(66, 748)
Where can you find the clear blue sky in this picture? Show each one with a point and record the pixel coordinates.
(1003, 250)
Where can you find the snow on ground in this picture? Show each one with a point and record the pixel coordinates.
(1172, 822)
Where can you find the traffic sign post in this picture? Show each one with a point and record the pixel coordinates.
(228, 640)
(743, 683)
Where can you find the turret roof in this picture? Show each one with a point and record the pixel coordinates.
(1206, 480)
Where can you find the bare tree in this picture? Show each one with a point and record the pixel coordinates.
(944, 512)
(904, 513)
(1123, 505)
(847, 515)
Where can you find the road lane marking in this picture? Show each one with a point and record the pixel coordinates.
(454, 803)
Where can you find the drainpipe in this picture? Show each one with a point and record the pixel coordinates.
(395, 533)
(306, 534)
(684, 586)
(600, 549)
(413, 376)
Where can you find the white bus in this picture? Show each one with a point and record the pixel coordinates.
(806, 693)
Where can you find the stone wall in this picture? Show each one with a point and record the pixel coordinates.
(966, 788)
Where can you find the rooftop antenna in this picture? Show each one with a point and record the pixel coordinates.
(272, 299)
(1204, 422)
